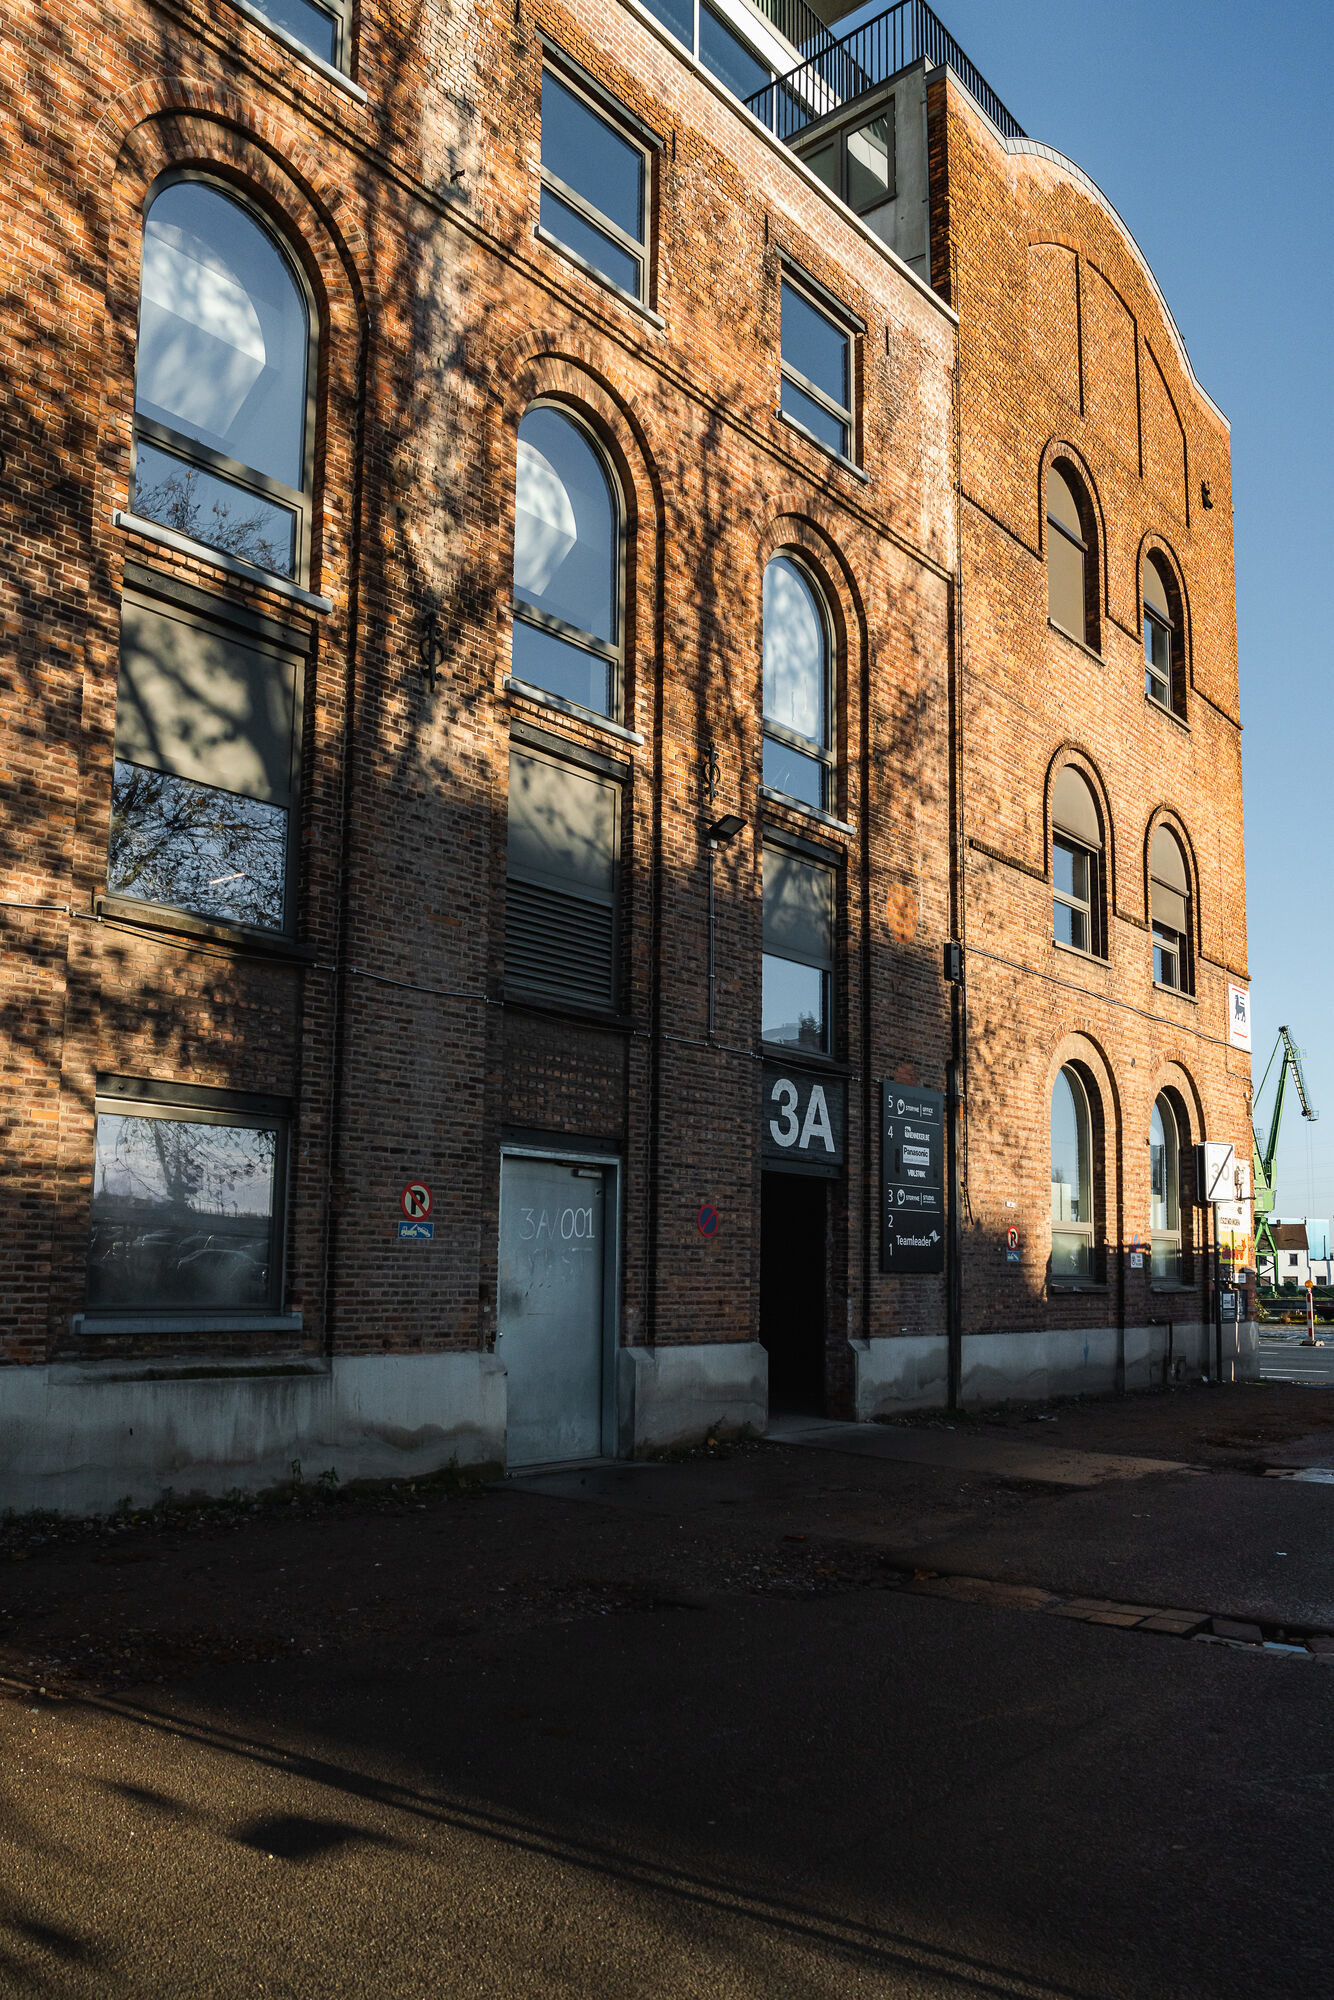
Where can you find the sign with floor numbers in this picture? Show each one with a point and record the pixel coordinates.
(912, 1179)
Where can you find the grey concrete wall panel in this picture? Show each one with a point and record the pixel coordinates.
(676, 1395)
(78, 1440)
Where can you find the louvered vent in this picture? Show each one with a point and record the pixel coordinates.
(559, 945)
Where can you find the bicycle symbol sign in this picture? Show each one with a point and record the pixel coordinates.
(415, 1201)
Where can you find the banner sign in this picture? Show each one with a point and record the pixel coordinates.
(912, 1155)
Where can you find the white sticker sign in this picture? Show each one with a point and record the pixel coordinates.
(1239, 1017)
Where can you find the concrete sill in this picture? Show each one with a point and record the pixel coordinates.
(143, 916)
(183, 1323)
(186, 545)
(181, 1368)
(599, 277)
(527, 691)
(817, 813)
(317, 63)
(848, 464)
(1177, 992)
(1085, 957)
(1067, 1285)
(1169, 714)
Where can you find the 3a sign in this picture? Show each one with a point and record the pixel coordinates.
(912, 1153)
(804, 1118)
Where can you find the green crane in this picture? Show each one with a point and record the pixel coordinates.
(1266, 1155)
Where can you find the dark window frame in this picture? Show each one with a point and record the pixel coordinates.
(1174, 626)
(827, 757)
(528, 741)
(195, 1104)
(1167, 942)
(1089, 909)
(198, 609)
(1087, 544)
(339, 12)
(1090, 1233)
(176, 444)
(838, 139)
(627, 128)
(849, 327)
(834, 863)
(615, 652)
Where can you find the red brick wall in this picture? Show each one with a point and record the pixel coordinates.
(1065, 346)
(441, 316)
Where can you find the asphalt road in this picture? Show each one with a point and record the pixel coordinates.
(1287, 1359)
(814, 1784)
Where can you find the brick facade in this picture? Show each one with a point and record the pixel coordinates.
(385, 1020)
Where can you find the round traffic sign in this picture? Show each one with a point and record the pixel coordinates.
(708, 1219)
(1012, 1238)
(416, 1201)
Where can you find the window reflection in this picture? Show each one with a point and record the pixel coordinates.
(566, 561)
(193, 847)
(182, 1214)
(1071, 1202)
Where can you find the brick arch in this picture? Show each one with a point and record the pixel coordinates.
(1082, 760)
(560, 372)
(1166, 815)
(1062, 448)
(115, 138)
(174, 139)
(1081, 1049)
(1172, 1072)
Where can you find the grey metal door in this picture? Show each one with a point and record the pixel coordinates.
(553, 1265)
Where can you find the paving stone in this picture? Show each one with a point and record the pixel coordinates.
(981, 1590)
(1235, 1628)
(1127, 1619)
(1178, 1626)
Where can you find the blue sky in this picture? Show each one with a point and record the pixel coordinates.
(1209, 129)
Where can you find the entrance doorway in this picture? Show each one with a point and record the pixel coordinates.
(793, 1226)
(554, 1220)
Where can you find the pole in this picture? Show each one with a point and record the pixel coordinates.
(1310, 1313)
(1218, 1300)
(712, 847)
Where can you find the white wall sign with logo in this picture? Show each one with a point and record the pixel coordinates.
(1239, 1017)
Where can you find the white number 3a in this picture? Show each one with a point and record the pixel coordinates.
(784, 1093)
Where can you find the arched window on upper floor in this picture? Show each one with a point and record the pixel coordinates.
(1072, 557)
(568, 563)
(1169, 911)
(1076, 865)
(225, 360)
(798, 758)
(1072, 1192)
(1164, 637)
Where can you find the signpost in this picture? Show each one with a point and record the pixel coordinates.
(1224, 1183)
(912, 1157)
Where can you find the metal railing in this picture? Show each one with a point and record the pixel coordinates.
(862, 61)
(799, 24)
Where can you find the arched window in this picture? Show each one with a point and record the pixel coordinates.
(1164, 649)
(1071, 558)
(1164, 1193)
(567, 563)
(224, 359)
(1169, 910)
(1076, 850)
(1071, 1178)
(797, 757)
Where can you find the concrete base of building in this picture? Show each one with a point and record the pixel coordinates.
(910, 1372)
(676, 1395)
(81, 1440)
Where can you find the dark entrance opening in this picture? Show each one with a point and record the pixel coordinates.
(793, 1219)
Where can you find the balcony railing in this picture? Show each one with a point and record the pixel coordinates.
(799, 24)
(832, 76)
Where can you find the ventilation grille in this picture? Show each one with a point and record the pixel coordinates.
(559, 945)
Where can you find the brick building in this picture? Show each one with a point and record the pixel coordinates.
(535, 605)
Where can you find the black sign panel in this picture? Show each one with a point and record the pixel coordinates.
(912, 1139)
(803, 1119)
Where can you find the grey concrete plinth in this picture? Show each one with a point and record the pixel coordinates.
(675, 1395)
(82, 1439)
(909, 1372)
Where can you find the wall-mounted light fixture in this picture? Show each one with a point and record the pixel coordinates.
(726, 827)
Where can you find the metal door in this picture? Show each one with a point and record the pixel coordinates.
(553, 1276)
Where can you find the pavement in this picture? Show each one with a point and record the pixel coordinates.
(1285, 1357)
(866, 1713)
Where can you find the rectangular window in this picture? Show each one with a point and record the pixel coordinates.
(594, 188)
(816, 389)
(1167, 907)
(560, 917)
(187, 1200)
(219, 512)
(1157, 660)
(726, 56)
(1073, 880)
(798, 965)
(319, 29)
(205, 781)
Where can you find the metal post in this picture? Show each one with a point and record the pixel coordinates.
(712, 850)
(1218, 1300)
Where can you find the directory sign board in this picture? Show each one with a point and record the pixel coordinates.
(912, 1155)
